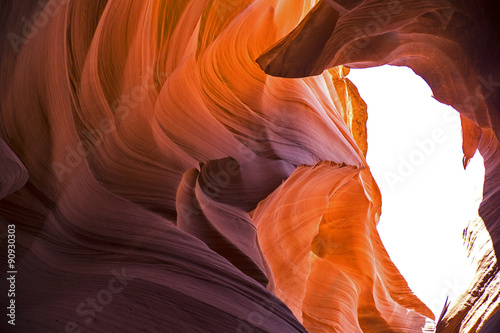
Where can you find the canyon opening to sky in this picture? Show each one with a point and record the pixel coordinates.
(415, 154)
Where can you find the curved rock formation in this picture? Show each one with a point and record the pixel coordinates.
(453, 45)
(175, 187)
(318, 231)
(471, 311)
(14, 174)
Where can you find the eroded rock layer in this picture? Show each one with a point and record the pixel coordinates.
(160, 181)
(453, 45)
(318, 231)
(472, 310)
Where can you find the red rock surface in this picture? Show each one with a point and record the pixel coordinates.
(318, 231)
(453, 45)
(160, 181)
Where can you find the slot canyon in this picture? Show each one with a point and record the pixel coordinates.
(201, 165)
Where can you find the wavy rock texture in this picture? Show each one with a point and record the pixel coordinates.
(318, 231)
(470, 312)
(453, 45)
(352, 106)
(166, 168)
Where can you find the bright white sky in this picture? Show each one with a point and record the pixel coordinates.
(429, 199)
